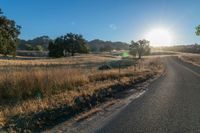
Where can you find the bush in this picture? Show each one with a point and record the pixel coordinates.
(105, 67)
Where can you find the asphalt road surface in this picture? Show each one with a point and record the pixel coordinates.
(171, 105)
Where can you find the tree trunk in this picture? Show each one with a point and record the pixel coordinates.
(139, 56)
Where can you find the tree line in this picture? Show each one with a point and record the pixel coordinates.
(194, 48)
(41, 44)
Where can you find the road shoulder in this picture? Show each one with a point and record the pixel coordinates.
(92, 120)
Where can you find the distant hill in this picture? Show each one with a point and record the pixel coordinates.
(100, 45)
(38, 44)
(41, 44)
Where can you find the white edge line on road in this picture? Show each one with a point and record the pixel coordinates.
(198, 75)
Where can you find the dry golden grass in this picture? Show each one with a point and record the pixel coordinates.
(19, 85)
(66, 97)
(29, 90)
(191, 58)
(76, 60)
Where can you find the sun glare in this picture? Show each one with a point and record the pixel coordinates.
(159, 37)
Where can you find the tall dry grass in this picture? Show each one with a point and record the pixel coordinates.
(76, 60)
(191, 58)
(20, 85)
(33, 89)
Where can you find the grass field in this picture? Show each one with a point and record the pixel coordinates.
(32, 86)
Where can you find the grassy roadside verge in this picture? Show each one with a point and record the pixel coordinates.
(76, 91)
(191, 58)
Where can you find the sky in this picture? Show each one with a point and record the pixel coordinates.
(115, 20)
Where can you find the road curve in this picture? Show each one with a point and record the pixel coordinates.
(171, 105)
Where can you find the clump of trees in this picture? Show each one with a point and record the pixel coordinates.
(140, 48)
(68, 44)
(41, 44)
(9, 33)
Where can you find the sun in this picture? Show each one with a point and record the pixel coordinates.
(159, 37)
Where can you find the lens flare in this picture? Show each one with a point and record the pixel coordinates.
(159, 37)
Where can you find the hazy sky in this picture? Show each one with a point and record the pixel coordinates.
(116, 20)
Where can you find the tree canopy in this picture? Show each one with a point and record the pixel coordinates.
(9, 33)
(198, 30)
(140, 48)
(68, 44)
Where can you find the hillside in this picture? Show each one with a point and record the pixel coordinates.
(38, 44)
(100, 45)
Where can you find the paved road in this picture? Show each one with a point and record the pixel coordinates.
(172, 104)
